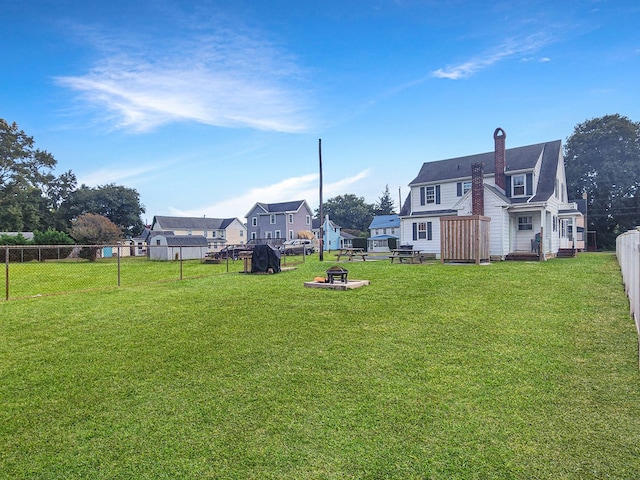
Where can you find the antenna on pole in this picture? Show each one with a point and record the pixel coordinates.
(321, 253)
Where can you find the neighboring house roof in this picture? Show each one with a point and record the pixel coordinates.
(347, 236)
(385, 221)
(382, 237)
(516, 160)
(185, 240)
(282, 207)
(25, 235)
(582, 205)
(146, 232)
(192, 223)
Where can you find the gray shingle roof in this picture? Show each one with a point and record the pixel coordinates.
(192, 223)
(186, 241)
(519, 158)
(282, 206)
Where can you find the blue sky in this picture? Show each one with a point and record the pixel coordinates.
(206, 107)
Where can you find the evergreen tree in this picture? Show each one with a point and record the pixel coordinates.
(385, 205)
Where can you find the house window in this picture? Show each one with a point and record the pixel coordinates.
(157, 242)
(519, 182)
(189, 232)
(430, 194)
(253, 235)
(272, 219)
(290, 234)
(277, 233)
(423, 231)
(525, 223)
(307, 220)
(205, 233)
(267, 234)
(462, 188)
(213, 234)
(291, 218)
(241, 232)
(254, 222)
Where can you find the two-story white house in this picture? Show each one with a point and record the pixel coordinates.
(522, 190)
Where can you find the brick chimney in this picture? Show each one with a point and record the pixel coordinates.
(499, 137)
(477, 189)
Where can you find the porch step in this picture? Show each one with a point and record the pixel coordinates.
(566, 253)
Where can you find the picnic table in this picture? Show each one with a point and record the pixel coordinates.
(408, 254)
(352, 252)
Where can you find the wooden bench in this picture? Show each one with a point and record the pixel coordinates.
(352, 252)
(406, 254)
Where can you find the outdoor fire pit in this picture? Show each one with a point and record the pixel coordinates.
(337, 272)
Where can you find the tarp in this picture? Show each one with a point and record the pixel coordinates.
(265, 259)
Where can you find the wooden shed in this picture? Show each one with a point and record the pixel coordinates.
(465, 239)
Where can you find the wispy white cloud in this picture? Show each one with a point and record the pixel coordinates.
(229, 78)
(508, 49)
(294, 188)
(115, 175)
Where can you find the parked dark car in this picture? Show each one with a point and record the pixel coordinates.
(233, 251)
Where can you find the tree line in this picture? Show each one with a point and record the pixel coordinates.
(602, 161)
(34, 199)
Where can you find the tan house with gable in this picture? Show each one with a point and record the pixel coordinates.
(218, 232)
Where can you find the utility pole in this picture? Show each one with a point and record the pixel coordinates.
(321, 253)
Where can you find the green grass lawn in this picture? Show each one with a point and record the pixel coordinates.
(511, 370)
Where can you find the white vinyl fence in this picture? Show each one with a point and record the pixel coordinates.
(628, 253)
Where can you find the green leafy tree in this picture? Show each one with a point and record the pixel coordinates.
(602, 158)
(53, 237)
(385, 205)
(25, 177)
(18, 239)
(352, 213)
(119, 204)
(92, 229)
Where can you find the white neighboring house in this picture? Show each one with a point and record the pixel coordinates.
(218, 232)
(522, 190)
(382, 228)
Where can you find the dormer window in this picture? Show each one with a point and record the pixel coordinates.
(519, 182)
(430, 194)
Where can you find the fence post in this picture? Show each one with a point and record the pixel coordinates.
(118, 252)
(180, 262)
(6, 268)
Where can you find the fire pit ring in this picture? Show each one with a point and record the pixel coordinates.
(337, 272)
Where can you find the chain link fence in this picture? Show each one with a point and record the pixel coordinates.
(36, 270)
